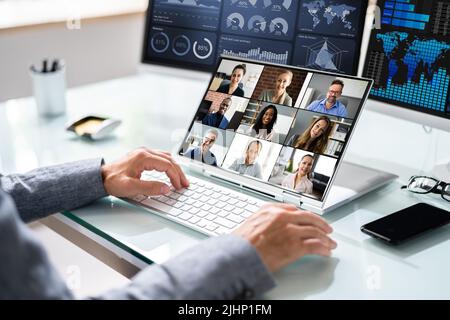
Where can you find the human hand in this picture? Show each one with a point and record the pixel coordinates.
(282, 233)
(122, 178)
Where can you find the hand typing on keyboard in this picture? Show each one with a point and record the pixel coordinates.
(282, 233)
(122, 178)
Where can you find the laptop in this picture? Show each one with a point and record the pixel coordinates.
(277, 132)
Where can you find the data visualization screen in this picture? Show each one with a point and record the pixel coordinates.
(317, 34)
(409, 56)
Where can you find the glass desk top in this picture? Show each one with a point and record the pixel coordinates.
(360, 268)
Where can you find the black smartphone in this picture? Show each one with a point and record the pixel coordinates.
(399, 226)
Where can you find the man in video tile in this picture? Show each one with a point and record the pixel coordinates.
(330, 105)
(202, 152)
(218, 119)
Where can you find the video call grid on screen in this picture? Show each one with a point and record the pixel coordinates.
(292, 143)
(409, 56)
(316, 34)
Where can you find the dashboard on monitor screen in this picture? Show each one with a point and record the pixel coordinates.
(318, 34)
(409, 56)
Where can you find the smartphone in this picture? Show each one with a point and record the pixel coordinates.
(402, 225)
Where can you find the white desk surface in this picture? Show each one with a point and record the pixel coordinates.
(156, 108)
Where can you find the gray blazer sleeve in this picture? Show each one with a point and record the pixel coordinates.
(47, 190)
(25, 270)
(218, 268)
(225, 267)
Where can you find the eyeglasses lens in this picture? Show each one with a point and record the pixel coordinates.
(421, 185)
(446, 193)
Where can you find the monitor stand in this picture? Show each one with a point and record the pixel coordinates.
(441, 171)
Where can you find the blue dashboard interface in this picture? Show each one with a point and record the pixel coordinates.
(409, 55)
(317, 34)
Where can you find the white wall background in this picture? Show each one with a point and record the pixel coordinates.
(103, 48)
(353, 88)
(237, 104)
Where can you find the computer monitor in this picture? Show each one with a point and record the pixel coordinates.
(319, 34)
(408, 58)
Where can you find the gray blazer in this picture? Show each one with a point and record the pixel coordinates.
(224, 267)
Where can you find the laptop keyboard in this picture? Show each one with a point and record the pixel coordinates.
(204, 206)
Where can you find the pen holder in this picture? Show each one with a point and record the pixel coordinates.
(49, 91)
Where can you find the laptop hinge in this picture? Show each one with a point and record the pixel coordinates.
(295, 200)
(242, 186)
(196, 168)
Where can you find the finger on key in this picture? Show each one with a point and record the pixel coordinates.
(149, 188)
(168, 156)
(155, 162)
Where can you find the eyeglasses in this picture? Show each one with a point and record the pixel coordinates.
(423, 185)
(334, 92)
(206, 139)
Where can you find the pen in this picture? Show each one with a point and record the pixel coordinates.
(44, 66)
(54, 65)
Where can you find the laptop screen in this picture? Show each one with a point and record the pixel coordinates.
(284, 126)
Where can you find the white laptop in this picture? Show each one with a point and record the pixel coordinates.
(279, 133)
